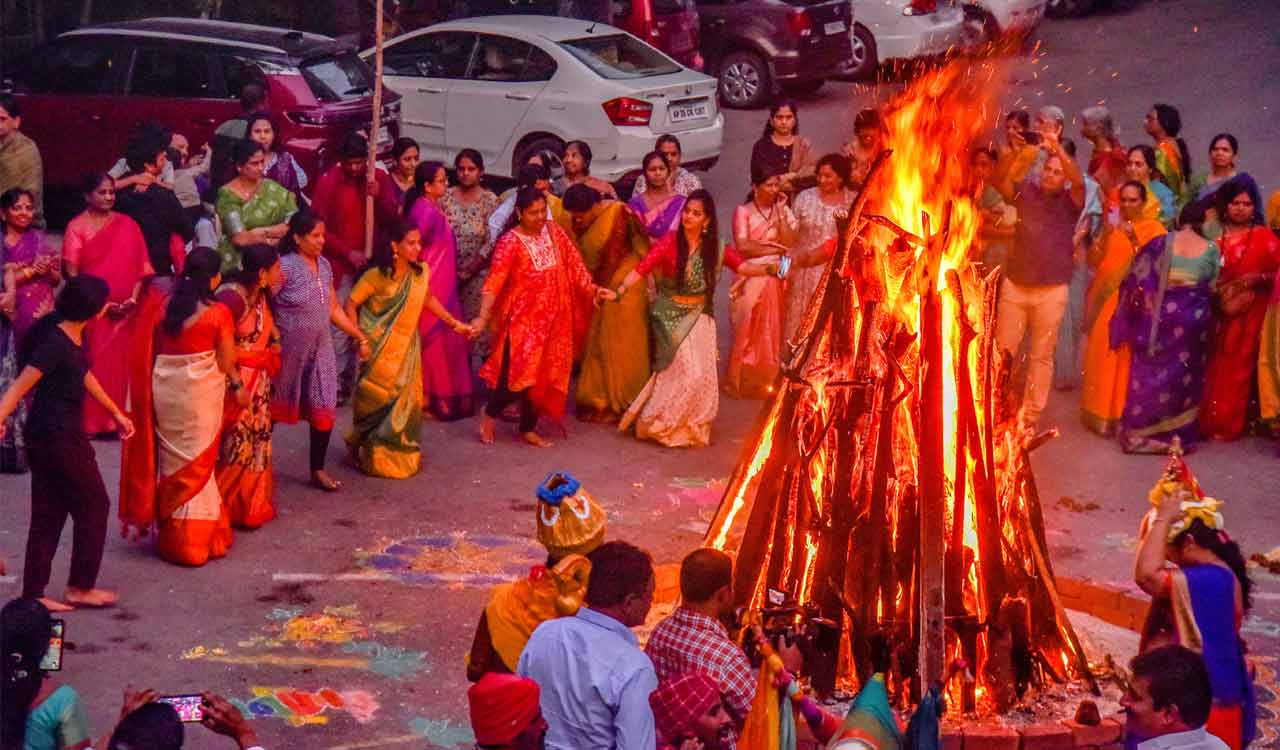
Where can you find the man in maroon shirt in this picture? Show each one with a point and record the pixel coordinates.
(339, 200)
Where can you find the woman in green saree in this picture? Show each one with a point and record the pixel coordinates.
(386, 407)
(253, 210)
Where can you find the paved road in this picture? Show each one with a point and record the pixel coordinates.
(339, 637)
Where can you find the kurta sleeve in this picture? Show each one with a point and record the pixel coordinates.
(504, 257)
(579, 275)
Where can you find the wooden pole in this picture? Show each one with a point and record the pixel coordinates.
(932, 475)
(370, 173)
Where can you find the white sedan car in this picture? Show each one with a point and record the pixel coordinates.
(886, 30)
(509, 86)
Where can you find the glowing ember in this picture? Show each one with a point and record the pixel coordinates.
(873, 487)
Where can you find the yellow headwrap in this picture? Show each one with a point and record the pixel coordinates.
(1180, 485)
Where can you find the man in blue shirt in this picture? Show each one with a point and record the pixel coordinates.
(594, 679)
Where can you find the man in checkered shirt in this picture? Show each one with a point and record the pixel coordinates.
(693, 639)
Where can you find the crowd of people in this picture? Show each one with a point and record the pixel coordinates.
(1147, 285)
(202, 299)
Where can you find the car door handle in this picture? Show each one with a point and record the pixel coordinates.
(431, 90)
(519, 97)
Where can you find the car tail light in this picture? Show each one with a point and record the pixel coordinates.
(800, 23)
(920, 7)
(309, 117)
(627, 111)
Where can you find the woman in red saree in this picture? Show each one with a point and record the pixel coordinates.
(1250, 257)
(537, 291)
(109, 245)
(195, 365)
(244, 460)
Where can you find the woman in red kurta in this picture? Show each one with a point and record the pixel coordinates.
(109, 245)
(1250, 257)
(537, 293)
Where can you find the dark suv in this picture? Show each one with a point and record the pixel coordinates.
(757, 46)
(84, 92)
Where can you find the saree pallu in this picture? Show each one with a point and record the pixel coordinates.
(188, 391)
(446, 354)
(1165, 324)
(1269, 362)
(1233, 360)
(756, 317)
(615, 361)
(244, 474)
(271, 204)
(138, 453)
(1169, 163)
(1106, 370)
(660, 219)
(386, 406)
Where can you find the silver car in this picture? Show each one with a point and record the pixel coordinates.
(887, 30)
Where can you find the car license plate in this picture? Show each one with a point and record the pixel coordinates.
(384, 137)
(686, 111)
(834, 27)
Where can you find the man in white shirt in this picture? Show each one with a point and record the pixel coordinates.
(594, 679)
(1168, 701)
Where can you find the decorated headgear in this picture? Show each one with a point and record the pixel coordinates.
(679, 702)
(1180, 485)
(502, 706)
(570, 521)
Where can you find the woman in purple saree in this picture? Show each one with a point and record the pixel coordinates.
(1163, 314)
(659, 206)
(446, 370)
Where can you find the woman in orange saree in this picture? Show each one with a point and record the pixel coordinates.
(244, 473)
(109, 245)
(1250, 258)
(764, 227)
(1106, 368)
(195, 365)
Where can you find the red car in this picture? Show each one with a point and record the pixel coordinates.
(83, 93)
(670, 25)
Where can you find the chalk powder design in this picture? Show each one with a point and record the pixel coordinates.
(456, 560)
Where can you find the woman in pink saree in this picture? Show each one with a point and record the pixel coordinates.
(446, 369)
(764, 228)
(109, 245)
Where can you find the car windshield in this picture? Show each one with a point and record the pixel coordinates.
(620, 56)
(338, 77)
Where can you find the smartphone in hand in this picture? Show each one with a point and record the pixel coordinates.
(190, 707)
(52, 661)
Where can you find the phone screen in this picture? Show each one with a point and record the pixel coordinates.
(189, 707)
(52, 661)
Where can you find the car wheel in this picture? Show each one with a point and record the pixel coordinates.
(1069, 8)
(864, 59)
(548, 144)
(804, 88)
(744, 80)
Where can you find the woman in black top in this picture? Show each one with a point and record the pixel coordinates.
(65, 480)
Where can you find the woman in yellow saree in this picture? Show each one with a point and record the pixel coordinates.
(386, 407)
(1106, 369)
(615, 362)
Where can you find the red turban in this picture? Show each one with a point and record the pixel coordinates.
(502, 706)
(680, 701)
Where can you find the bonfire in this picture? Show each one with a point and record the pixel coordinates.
(883, 482)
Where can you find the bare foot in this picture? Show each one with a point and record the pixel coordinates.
(486, 429)
(322, 480)
(534, 439)
(90, 597)
(53, 605)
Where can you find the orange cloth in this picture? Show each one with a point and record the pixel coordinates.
(516, 608)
